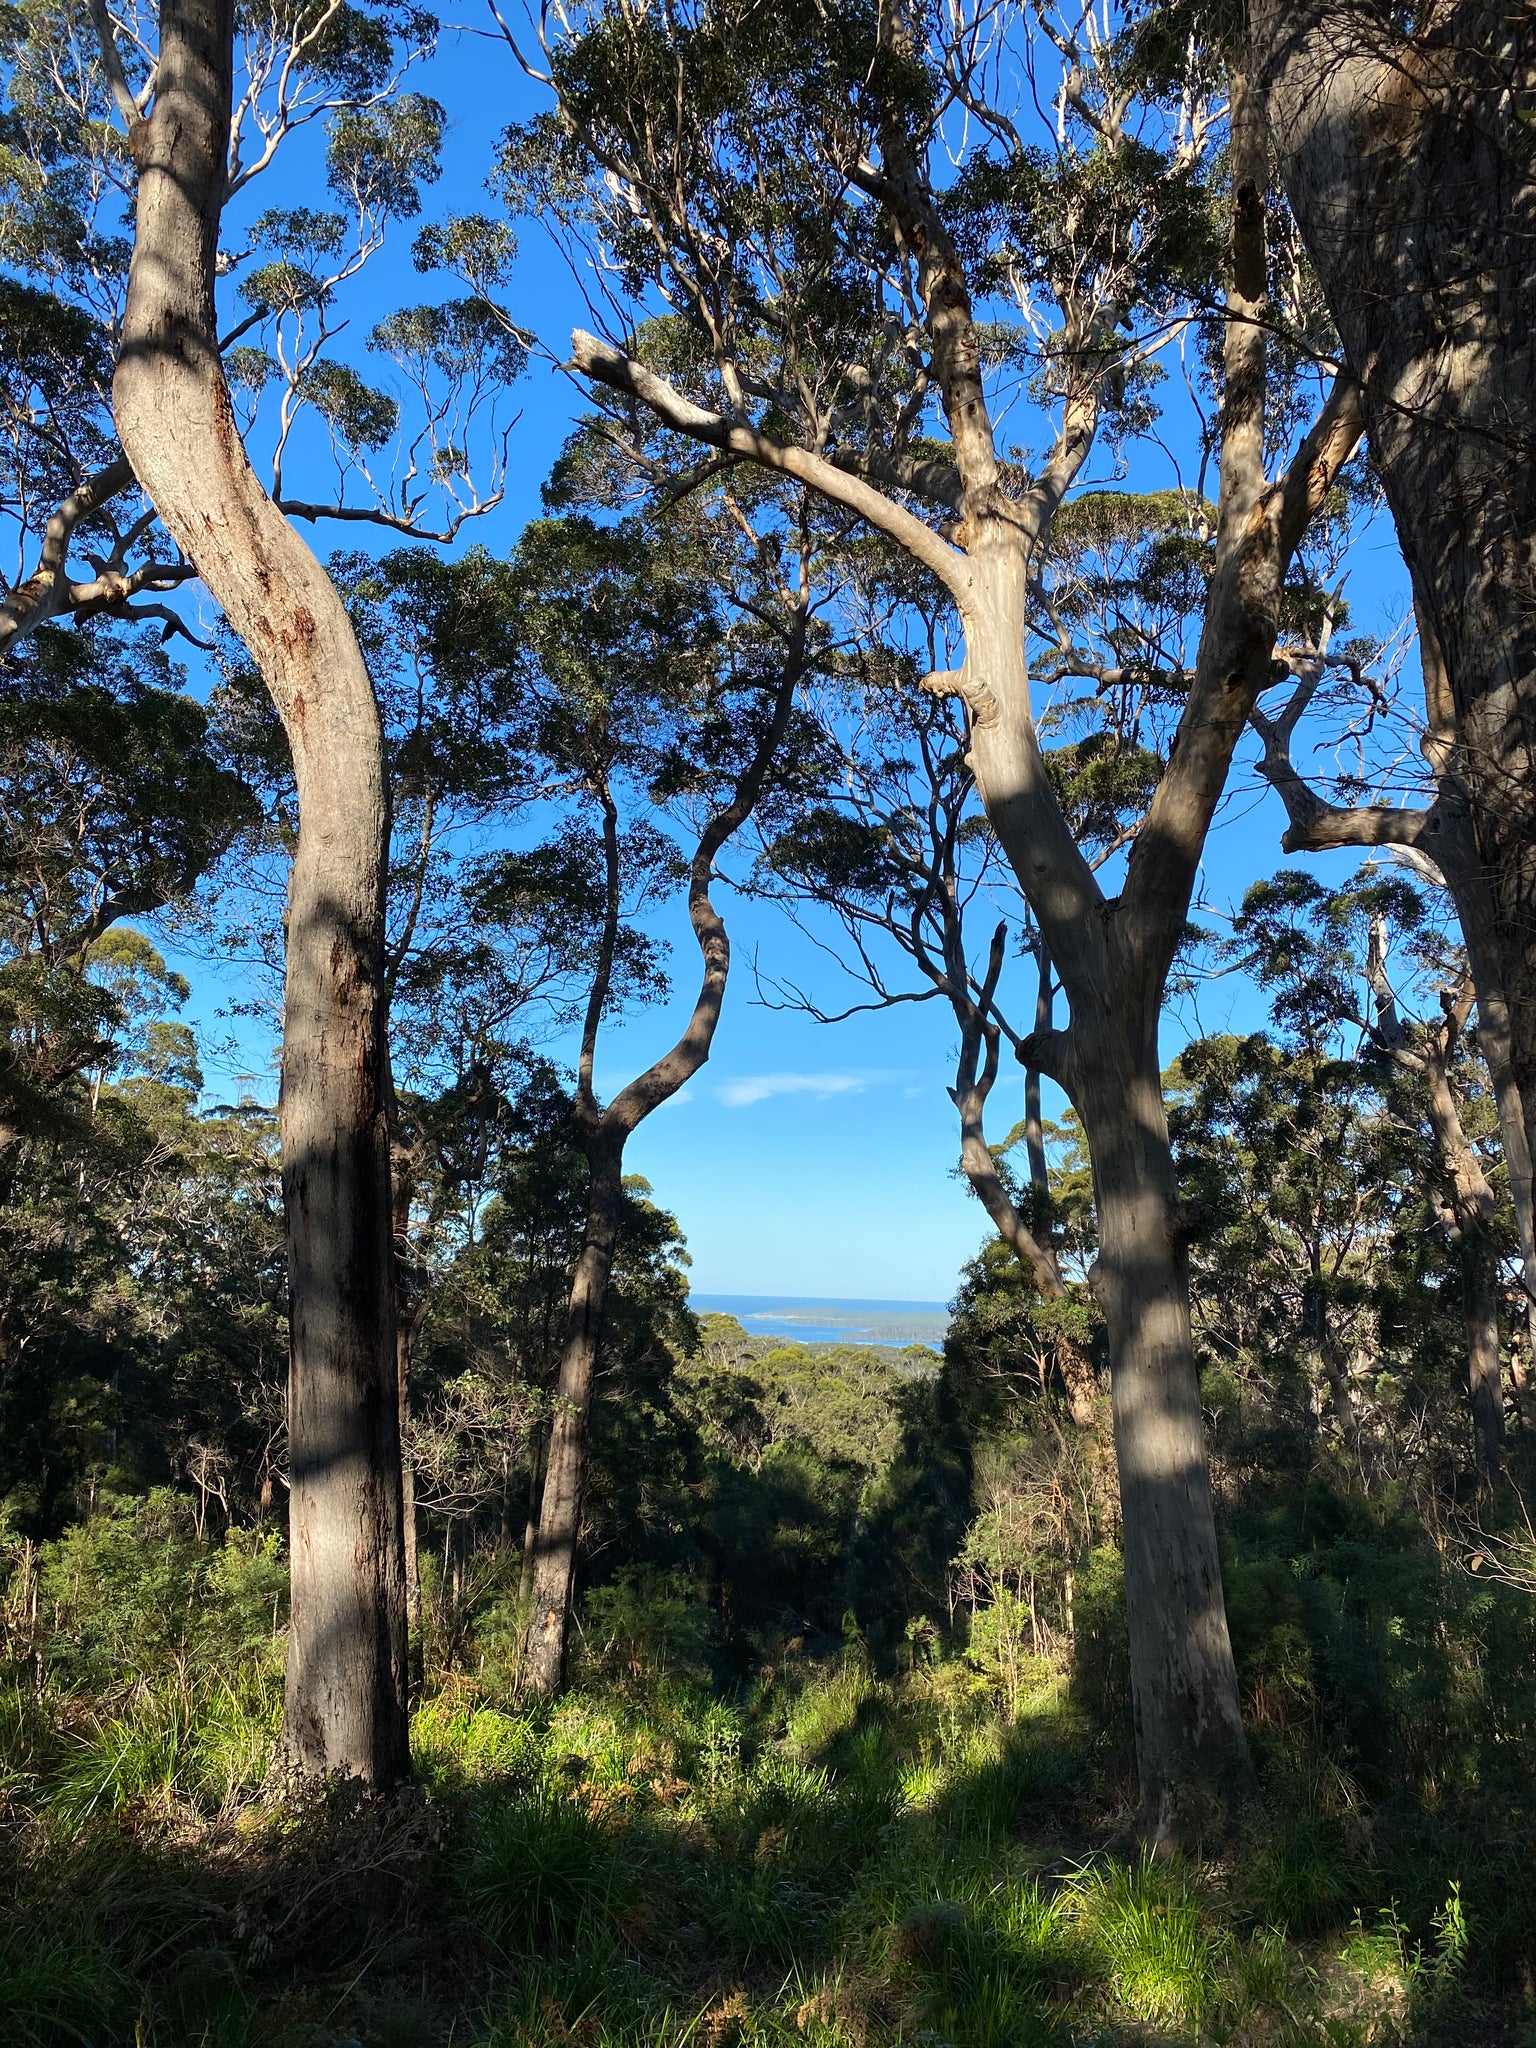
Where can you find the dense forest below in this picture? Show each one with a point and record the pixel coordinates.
(544, 542)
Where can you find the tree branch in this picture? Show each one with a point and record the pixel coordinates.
(607, 365)
(45, 593)
(1314, 825)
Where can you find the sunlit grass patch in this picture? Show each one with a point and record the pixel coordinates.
(827, 1711)
(1036, 1929)
(453, 1742)
(207, 1745)
(921, 1784)
(1150, 1932)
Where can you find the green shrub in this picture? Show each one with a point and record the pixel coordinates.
(646, 1626)
(135, 1591)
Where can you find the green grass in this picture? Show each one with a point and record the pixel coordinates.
(58, 1988)
(1146, 1923)
(843, 1863)
(539, 1871)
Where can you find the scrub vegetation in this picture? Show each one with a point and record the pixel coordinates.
(1030, 457)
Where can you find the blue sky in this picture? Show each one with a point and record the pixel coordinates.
(805, 1158)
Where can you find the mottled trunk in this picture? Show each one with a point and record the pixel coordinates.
(1409, 167)
(1192, 1756)
(554, 1554)
(1485, 1378)
(346, 1678)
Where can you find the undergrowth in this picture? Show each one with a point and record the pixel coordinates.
(811, 1853)
(831, 1860)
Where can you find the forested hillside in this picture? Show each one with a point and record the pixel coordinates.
(1034, 535)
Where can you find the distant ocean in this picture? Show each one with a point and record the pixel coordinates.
(808, 1319)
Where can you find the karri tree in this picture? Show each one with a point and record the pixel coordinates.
(1404, 143)
(783, 181)
(194, 140)
(890, 840)
(486, 944)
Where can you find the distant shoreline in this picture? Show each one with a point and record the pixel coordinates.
(830, 1319)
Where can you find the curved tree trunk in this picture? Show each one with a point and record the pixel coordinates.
(607, 1132)
(346, 1681)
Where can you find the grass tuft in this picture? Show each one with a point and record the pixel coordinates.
(540, 1870)
(56, 1989)
(1147, 1925)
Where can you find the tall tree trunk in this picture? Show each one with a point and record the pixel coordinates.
(1408, 163)
(410, 1552)
(554, 1555)
(1485, 1378)
(531, 1526)
(607, 1133)
(1191, 1753)
(1450, 838)
(346, 1679)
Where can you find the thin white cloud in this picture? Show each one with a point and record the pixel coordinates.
(748, 1089)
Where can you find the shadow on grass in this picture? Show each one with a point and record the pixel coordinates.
(861, 1866)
